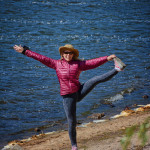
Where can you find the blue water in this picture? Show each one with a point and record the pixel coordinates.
(30, 91)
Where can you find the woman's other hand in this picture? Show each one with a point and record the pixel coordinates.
(18, 49)
(111, 57)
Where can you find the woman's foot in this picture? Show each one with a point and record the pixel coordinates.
(74, 148)
(119, 65)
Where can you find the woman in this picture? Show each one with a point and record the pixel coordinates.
(68, 69)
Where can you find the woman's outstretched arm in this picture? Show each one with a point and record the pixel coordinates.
(43, 59)
(93, 63)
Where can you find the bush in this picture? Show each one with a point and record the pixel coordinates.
(125, 141)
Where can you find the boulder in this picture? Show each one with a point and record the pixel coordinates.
(96, 116)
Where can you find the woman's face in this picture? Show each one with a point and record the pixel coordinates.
(68, 55)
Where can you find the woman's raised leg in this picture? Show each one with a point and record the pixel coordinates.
(91, 83)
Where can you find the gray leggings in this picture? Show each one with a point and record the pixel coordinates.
(69, 101)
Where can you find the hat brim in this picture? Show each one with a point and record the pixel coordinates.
(63, 48)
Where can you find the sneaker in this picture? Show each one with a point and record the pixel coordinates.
(119, 65)
(74, 148)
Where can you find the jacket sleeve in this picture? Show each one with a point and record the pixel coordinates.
(43, 59)
(92, 63)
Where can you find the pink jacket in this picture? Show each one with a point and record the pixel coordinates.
(68, 72)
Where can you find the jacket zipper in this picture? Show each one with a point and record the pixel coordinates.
(69, 76)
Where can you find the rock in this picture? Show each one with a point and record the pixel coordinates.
(13, 147)
(127, 108)
(37, 130)
(112, 105)
(97, 116)
(145, 96)
(127, 112)
(16, 142)
(134, 105)
(144, 108)
(78, 122)
(33, 137)
(108, 103)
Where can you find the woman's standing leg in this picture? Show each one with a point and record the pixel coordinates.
(91, 83)
(69, 102)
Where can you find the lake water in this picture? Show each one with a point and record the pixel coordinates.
(30, 91)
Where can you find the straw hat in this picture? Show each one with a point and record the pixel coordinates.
(69, 47)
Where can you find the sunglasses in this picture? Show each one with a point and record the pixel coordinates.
(70, 53)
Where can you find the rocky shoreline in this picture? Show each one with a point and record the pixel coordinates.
(90, 136)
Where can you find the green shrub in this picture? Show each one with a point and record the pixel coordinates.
(125, 141)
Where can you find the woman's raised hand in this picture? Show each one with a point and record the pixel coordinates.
(111, 57)
(18, 49)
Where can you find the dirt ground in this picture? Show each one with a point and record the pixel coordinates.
(95, 136)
